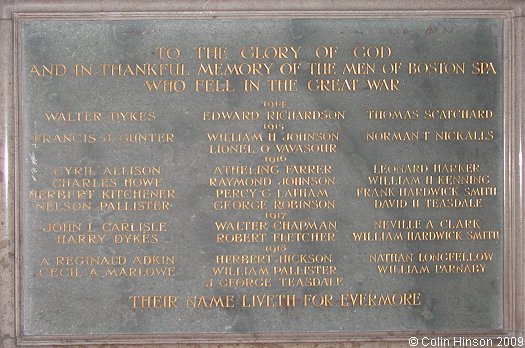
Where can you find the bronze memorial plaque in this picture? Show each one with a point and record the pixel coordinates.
(261, 176)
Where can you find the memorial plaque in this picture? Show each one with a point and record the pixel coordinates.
(259, 177)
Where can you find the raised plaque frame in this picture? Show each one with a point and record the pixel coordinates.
(511, 12)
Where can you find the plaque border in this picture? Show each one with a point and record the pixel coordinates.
(513, 197)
